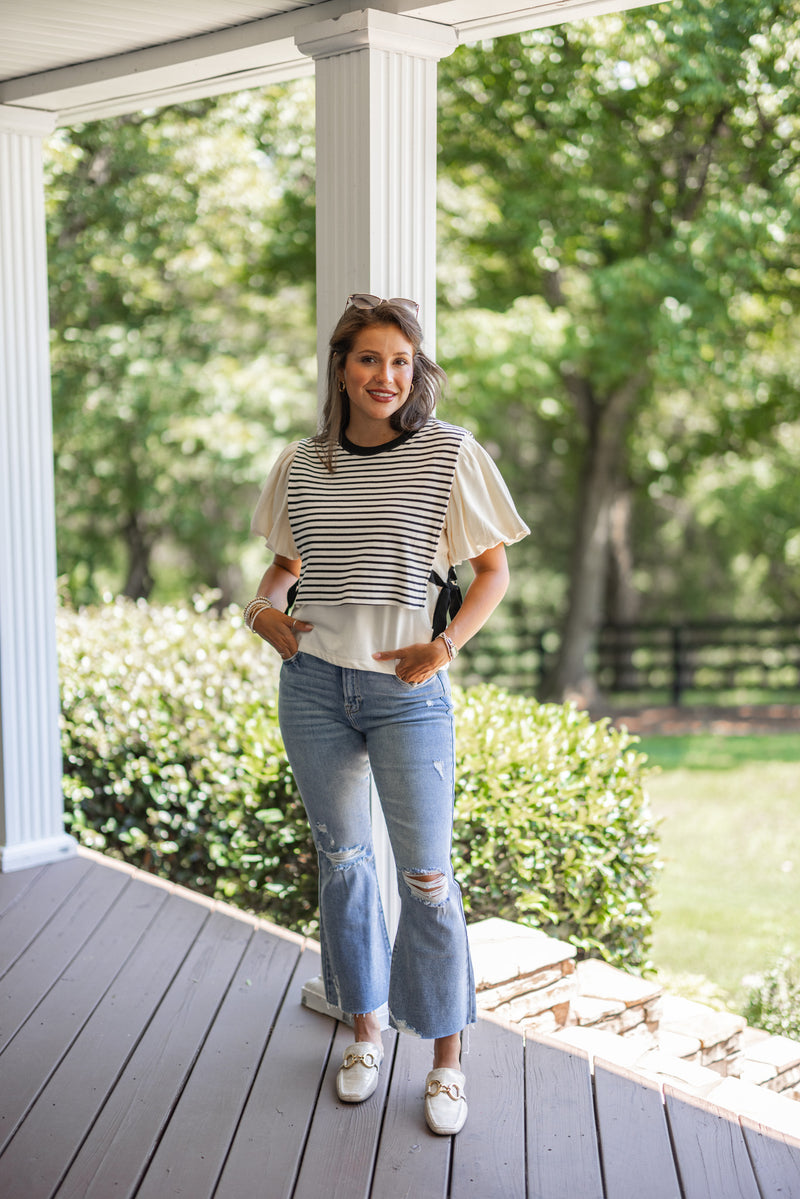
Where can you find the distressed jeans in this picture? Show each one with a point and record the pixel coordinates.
(337, 725)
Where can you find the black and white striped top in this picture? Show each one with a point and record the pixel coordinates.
(368, 532)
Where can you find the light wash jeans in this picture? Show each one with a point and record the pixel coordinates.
(338, 723)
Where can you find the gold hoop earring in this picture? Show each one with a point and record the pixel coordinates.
(411, 388)
(341, 385)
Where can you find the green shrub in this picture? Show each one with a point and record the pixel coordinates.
(172, 755)
(774, 1000)
(553, 827)
(173, 761)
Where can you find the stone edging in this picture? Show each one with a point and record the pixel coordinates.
(532, 982)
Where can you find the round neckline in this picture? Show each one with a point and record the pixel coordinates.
(367, 450)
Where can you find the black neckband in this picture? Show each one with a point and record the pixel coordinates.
(365, 450)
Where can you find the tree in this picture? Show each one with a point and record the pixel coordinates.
(179, 363)
(639, 174)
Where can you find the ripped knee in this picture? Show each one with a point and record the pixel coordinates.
(340, 859)
(431, 887)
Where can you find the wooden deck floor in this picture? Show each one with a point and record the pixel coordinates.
(153, 1044)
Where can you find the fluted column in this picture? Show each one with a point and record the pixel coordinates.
(376, 160)
(31, 803)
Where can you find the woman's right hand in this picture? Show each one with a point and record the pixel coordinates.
(279, 630)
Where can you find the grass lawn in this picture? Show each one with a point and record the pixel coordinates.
(729, 893)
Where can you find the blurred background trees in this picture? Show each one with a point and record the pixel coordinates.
(618, 314)
(636, 176)
(183, 348)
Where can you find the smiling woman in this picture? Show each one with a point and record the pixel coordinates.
(366, 521)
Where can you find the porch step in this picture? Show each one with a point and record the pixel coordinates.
(521, 975)
(532, 981)
(614, 1000)
(719, 1034)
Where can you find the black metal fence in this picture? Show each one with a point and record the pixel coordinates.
(694, 661)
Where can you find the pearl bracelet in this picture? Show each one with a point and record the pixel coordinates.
(253, 608)
(449, 645)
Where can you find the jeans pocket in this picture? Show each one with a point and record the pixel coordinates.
(418, 686)
(404, 686)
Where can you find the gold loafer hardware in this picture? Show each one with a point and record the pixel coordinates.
(364, 1059)
(435, 1088)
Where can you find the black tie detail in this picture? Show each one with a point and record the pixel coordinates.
(449, 600)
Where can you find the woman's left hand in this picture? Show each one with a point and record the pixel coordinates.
(416, 663)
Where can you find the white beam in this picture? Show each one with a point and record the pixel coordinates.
(227, 60)
(476, 20)
(31, 804)
(260, 52)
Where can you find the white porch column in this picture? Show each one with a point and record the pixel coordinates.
(31, 803)
(376, 161)
(376, 204)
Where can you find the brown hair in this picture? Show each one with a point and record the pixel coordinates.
(428, 378)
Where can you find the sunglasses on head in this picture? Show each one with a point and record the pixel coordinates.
(359, 300)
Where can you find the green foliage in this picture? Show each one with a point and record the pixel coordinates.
(636, 174)
(173, 761)
(774, 1000)
(181, 363)
(172, 755)
(553, 827)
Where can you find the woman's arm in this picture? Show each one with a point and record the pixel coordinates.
(273, 624)
(483, 594)
(417, 663)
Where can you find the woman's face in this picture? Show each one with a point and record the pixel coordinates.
(378, 373)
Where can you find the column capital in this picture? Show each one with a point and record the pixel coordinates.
(33, 122)
(372, 29)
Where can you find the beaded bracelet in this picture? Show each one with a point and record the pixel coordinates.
(449, 645)
(253, 608)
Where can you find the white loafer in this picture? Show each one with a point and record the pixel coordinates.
(445, 1101)
(358, 1073)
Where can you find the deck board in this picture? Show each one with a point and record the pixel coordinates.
(410, 1161)
(35, 908)
(496, 1055)
(563, 1154)
(51, 952)
(15, 885)
(709, 1148)
(126, 1131)
(775, 1158)
(635, 1148)
(192, 1153)
(342, 1143)
(64, 1113)
(154, 1046)
(268, 1146)
(35, 1052)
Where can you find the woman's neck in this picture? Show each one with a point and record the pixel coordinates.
(363, 434)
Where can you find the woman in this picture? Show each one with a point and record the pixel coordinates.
(365, 521)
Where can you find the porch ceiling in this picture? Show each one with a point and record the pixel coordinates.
(93, 58)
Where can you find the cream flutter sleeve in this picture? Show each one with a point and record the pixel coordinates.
(271, 517)
(481, 512)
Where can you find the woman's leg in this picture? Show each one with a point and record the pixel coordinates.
(411, 750)
(329, 761)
